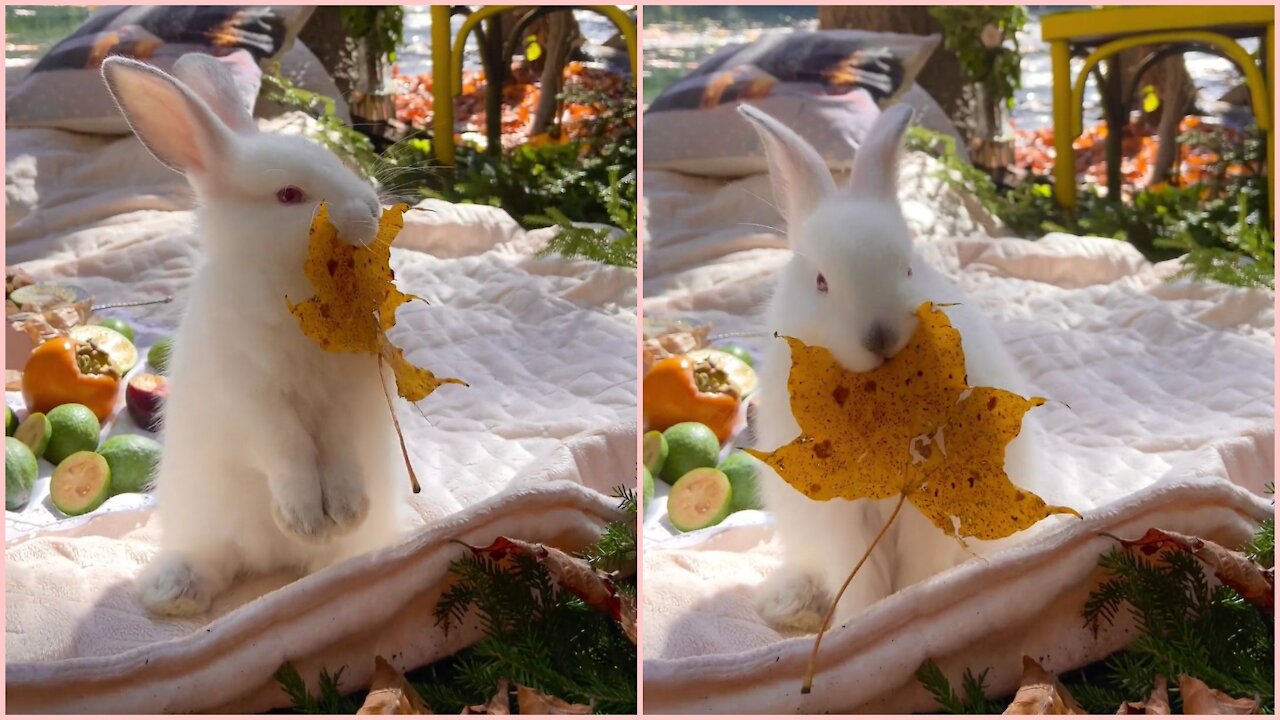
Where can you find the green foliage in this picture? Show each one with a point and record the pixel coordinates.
(997, 68)
(531, 180)
(616, 550)
(330, 131)
(1186, 626)
(604, 245)
(540, 636)
(955, 171)
(381, 26)
(973, 701)
(1262, 547)
(1232, 251)
(1186, 623)
(1221, 226)
(591, 180)
(534, 634)
(331, 701)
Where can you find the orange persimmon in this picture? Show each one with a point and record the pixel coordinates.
(62, 370)
(678, 389)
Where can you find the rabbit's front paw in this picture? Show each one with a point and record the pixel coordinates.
(792, 599)
(172, 586)
(345, 502)
(303, 517)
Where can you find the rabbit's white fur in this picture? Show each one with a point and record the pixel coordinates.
(858, 240)
(277, 454)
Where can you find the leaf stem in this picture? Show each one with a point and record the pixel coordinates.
(404, 450)
(826, 621)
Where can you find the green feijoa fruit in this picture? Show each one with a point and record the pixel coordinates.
(35, 431)
(119, 326)
(158, 355)
(655, 451)
(701, 498)
(690, 445)
(739, 352)
(133, 460)
(20, 473)
(80, 483)
(741, 469)
(75, 428)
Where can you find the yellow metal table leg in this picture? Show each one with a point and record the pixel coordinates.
(1064, 163)
(441, 85)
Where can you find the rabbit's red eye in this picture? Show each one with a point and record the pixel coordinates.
(291, 195)
(822, 283)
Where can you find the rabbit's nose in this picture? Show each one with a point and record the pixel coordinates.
(358, 222)
(879, 340)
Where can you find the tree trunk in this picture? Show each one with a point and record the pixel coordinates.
(1177, 95)
(325, 35)
(942, 76)
(561, 37)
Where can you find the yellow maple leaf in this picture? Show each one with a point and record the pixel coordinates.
(356, 299)
(912, 427)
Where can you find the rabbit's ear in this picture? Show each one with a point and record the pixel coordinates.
(175, 125)
(875, 166)
(800, 177)
(212, 81)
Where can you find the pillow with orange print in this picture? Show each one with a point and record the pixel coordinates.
(828, 85)
(64, 89)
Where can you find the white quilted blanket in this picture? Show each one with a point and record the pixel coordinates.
(1170, 424)
(531, 449)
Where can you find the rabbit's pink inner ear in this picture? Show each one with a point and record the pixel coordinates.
(799, 175)
(176, 126)
(212, 81)
(875, 165)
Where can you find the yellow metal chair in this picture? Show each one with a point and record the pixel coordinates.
(1099, 34)
(446, 62)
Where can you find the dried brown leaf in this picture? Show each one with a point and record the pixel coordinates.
(535, 702)
(596, 588)
(1040, 693)
(1200, 699)
(1156, 704)
(1233, 568)
(391, 694)
(499, 704)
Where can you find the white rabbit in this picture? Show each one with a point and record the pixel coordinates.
(277, 455)
(852, 286)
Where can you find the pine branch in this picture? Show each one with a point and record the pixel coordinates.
(534, 634)
(331, 700)
(1187, 624)
(617, 550)
(1262, 546)
(974, 701)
